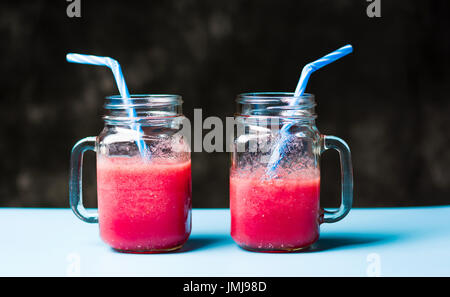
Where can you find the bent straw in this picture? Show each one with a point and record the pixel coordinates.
(120, 81)
(280, 145)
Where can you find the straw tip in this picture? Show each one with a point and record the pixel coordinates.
(348, 47)
(69, 57)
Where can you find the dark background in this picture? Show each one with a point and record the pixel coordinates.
(389, 100)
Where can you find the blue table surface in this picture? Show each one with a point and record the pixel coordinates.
(368, 242)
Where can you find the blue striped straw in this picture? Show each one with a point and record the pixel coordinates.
(120, 81)
(280, 146)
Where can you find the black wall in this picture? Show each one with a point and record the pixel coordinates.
(389, 100)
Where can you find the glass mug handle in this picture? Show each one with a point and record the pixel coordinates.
(75, 181)
(336, 143)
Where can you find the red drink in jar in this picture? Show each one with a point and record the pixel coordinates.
(144, 206)
(275, 214)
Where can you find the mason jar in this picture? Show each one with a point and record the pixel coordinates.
(275, 173)
(143, 175)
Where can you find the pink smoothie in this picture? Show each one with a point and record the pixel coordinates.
(143, 206)
(275, 214)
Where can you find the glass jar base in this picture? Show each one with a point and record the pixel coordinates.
(151, 251)
(276, 250)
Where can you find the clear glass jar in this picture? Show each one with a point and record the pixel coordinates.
(275, 173)
(143, 175)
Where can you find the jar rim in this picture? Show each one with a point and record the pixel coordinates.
(276, 104)
(142, 100)
(273, 97)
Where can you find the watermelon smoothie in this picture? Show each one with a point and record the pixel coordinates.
(280, 214)
(144, 206)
